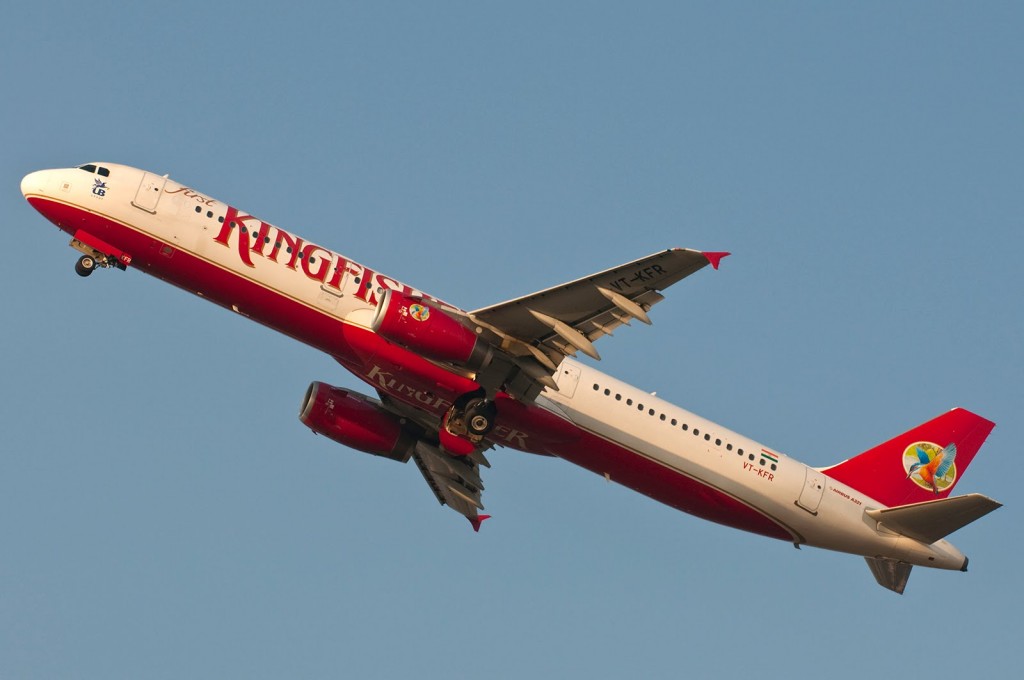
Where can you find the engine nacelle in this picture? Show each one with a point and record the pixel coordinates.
(356, 421)
(427, 330)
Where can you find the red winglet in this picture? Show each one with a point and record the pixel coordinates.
(477, 521)
(715, 258)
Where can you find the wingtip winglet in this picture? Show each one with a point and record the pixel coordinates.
(715, 258)
(477, 521)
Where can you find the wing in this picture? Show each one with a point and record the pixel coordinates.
(531, 336)
(948, 456)
(922, 455)
(566, 319)
(454, 480)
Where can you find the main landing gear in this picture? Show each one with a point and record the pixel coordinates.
(480, 416)
(472, 416)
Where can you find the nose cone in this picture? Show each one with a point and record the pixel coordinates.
(34, 183)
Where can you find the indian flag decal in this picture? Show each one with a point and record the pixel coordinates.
(768, 455)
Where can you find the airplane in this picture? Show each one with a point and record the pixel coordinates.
(451, 384)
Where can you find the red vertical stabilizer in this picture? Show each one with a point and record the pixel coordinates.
(922, 464)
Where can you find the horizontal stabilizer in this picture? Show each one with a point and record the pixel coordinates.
(891, 574)
(931, 520)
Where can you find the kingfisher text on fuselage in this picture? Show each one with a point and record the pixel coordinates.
(256, 238)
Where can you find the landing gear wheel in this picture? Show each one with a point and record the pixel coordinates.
(480, 415)
(86, 265)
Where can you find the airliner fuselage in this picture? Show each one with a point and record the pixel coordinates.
(122, 217)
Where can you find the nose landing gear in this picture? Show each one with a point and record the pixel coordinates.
(92, 257)
(86, 265)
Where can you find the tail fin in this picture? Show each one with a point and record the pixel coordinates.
(891, 574)
(922, 464)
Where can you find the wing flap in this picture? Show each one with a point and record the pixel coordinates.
(597, 302)
(537, 331)
(454, 481)
(932, 520)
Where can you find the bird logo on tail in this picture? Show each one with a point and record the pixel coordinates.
(930, 466)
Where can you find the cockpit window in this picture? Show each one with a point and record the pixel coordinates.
(100, 170)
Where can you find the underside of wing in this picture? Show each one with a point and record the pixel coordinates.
(454, 480)
(553, 323)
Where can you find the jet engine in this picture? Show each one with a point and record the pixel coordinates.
(356, 421)
(428, 330)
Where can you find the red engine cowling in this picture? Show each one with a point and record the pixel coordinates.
(425, 329)
(356, 421)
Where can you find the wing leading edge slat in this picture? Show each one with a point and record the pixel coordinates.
(578, 300)
(569, 318)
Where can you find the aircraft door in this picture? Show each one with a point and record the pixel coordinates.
(150, 189)
(812, 491)
(329, 298)
(340, 283)
(567, 377)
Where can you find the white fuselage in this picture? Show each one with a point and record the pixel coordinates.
(302, 289)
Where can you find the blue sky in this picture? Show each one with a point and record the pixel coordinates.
(163, 513)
